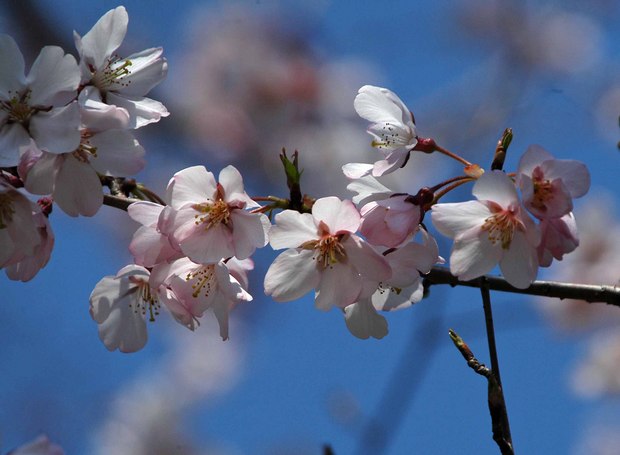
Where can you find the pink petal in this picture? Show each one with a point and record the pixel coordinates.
(13, 136)
(379, 105)
(57, 131)
(533, 157)
(118, 153)
(77, 190)
(54, 78)
(144, 212)
(12, 78)
(142, 111)
(104, 38)
(232, 182)
(339, 216)
(356, 170)
(191, 185)
(473, 256)
(367, 261)
(392, 162)
(574, 175)
(249, 232)
(208, 246)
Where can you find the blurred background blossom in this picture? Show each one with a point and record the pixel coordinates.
(250, 77)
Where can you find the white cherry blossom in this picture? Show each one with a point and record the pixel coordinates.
(494, 229)
(392, 129)
(323, 254)
(119, 305)
(122, 82)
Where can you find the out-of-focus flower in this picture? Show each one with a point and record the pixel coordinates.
(599, 373)
(324, 253)
(36, 106)
(490, 230)
(122, 82)
(549, 185)
(41, 445)
(392, 128)
(119, 305)
(211, 222)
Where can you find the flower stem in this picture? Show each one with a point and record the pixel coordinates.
(447, 152)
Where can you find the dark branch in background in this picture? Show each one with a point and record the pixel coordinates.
(588, 292)
(497, 405)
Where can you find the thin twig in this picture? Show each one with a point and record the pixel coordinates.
(497, 402)
(588, 292)
(118, 202)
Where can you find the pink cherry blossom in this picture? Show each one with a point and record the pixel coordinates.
(549, 185)
(391, 221)
(490, 230)
(37, 106)
(558, 237)
(364, 322)
(211, 222)
(392, 129)
(324, 253)
(119, 305)
(122, 82)
(192, 289)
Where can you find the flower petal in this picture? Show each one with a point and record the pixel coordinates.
(291, 275)
(340, 286)
(12, 78)
(53, 78)
(191, 185)
(364, 322)
(292, 229)
(77, 190)
(118, 153)
(496, 186)
(104, 38)
(57, 131)
(451, 219)
(141, 110)
(339, 216)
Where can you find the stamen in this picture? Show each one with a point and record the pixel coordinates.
(18, 108)
(146, 300)
(204, 280)
(329, 250)
(214, 213)
(500, 227)
(113, 74)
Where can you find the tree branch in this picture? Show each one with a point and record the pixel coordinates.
(588, 292)
(118, 202)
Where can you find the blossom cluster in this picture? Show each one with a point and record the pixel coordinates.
(63, 127)
(66, 128)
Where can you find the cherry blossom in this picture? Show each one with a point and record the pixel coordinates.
(364, 322)
(122, 82)
(368, 189)
(211, 222)
(323, 253)
(37, 106)
(549, 185)
(192, 289)
(391, 221)
(119, 305)
(392, 129)
(490, 230)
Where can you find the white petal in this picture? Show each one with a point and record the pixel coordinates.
(147, 69)
(340, 286)
(12, 137)
(142, 110)
(249, 232)
(292, 229)
(367, 261)
(392, 162)
(98, 116)
(57, 131)
(453, 218)
(105, 37)
(364, 322)
(207, 247)
(78, 189)
(356, 170)
(54, 78)
(291, 275)
(496, 186)
(12, 78)
(380, 105)
(520, 262)
(368, 189)
(118, 153)
(473, 257)
(232, 182)
(191, 185)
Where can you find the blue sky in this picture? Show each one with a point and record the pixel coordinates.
(298, 363)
